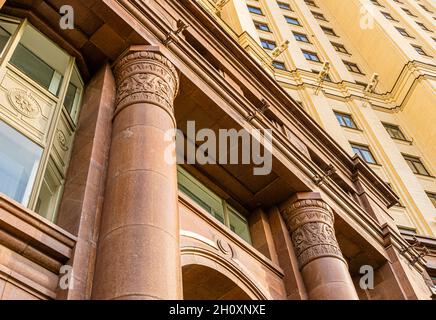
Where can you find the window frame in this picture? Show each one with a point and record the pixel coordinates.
(397, 129)
(225, 206)
(251, 8)
(361, 148)
(412, 162)
(339, 45)
(349, 117)
(59, 120)
(432, 197)
(287, 18)
(307, 53)
(298, 35)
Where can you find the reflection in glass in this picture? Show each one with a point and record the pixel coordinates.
(19, 160)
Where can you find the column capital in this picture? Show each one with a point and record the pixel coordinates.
(310, 222)
(144, 75)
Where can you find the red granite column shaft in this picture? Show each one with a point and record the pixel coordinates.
(138, 252)
(310, 222)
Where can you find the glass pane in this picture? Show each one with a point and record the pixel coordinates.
(367, 156)
(32, 66)
(200, 194)
(421, 169)
(356, 151)
(49, 193)
(19, 160)
(412, 167)
(41, 59)
(69, 97)
(6, 30)
(238, 224)
(73, 95)
(340, 120)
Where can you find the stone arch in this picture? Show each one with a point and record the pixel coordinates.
(221, 268)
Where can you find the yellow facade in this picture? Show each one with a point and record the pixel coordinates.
(360, 40)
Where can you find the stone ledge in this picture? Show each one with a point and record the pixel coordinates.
(35, 238)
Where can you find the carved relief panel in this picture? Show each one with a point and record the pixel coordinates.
(25, 107)
(62, 144)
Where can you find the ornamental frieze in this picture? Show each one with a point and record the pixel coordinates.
(24, 103)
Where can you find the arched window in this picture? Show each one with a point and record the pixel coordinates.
(40, 97)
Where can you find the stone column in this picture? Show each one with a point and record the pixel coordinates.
(310, 222)
(138, 251)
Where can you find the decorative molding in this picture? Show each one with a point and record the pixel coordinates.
(310, 224)
(225, 248)
(146, 77)
(62, 140)
(328, 172)
(24, 103)
(173, 36)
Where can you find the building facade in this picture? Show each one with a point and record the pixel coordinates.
(97, 98)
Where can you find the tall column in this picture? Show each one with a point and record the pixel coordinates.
(138, 251)
(310, 224)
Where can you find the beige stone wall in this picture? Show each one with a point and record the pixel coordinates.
(404, 95)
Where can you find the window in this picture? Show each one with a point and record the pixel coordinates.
(345, 120)
(213, 204)
(403, 32)
(420, 50)
(388, 16)
(279, 65)
(37, 61)
(425, 8)
(318, 16)
(7, 28)
(267, 44)
(376, 3)
(432, 197)
(363, 152)
(352, 67)
(284, 6)
(394, 131)
(360, 83)
(34, 154)
(301, 37)
(261, 26)
(416, 165)
(255, 10)
(311, 56)
(329, 31)
(339, 47)
(293, 21)
(408, 12)
(311, 3)
(73, 95)
(423, 26)
(19, 161)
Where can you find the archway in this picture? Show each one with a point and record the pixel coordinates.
(204, 283)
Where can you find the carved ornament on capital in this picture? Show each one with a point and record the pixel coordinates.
(145, 76)
(311, 226)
